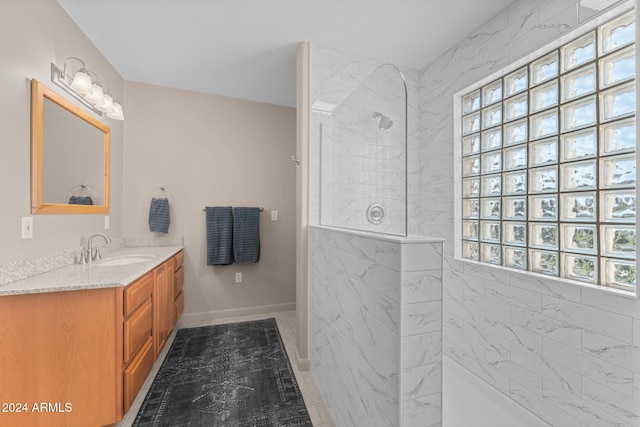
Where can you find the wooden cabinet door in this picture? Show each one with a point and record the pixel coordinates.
(159, 304)
(57, 357)
(163, 304)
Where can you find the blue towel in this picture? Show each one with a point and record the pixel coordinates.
(246, 234)
(159, 215)
(80, 200)
(219, 221)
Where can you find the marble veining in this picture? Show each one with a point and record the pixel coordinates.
(376, 330)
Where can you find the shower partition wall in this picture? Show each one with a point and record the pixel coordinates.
(363, 171)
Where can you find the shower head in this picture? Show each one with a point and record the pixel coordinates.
(384, 122)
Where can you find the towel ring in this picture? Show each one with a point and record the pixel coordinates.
(161, 189)
(82, 187)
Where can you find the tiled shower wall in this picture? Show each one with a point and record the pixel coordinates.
(362, 164)
(569, 354)
(375, 328)
(334, 76)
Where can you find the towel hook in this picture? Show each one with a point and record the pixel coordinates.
(162, 188)
(295, 160)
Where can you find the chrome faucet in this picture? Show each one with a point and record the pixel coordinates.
(92, 254)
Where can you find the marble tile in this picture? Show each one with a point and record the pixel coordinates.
(575, 407)
(603, 322)
(538, 404)
(484, 304)
(622, 305)
(421, 286)
(422, 318)
(420, 257)
(620, 407)
(544, 286)
(549, 370)
(567, 333)
(387, 312)
(454, 304)
(423, 412)
(494, 348)
(619, 353)
(422, 381)
(608, 374)
(421, 349)
(383, 280)
(514, 296)
(487, 373)
(514, 334)
(520, 375)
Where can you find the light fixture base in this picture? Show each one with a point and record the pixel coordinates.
(65, 84)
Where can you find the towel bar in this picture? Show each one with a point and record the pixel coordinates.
(261, 209)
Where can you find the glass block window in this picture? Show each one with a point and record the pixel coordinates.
(548, 162)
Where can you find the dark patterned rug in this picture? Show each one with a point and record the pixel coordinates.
(233, 375)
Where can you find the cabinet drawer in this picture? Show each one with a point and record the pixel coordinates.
(179, 306)
(178, 260)
(137, 329)
(137, 292)
(137, 372)
(178, 283)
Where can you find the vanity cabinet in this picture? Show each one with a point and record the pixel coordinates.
(79, 358)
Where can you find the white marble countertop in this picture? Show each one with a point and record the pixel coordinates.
(74, 277)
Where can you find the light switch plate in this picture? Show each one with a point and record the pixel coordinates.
(27, 227)
(106, 222)
(238, 277)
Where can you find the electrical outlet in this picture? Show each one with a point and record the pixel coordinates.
(274, 215)
(238, 277)
(27, 227)
(106, 222)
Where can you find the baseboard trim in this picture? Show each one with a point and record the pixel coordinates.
(303, 364)
(188, 319)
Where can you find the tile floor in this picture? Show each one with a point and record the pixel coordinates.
(286, 321)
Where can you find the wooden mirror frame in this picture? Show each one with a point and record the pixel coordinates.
(38, 93)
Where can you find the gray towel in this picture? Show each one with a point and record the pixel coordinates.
(219, 222)
(159, 215)
(80, 200)
(246, 234)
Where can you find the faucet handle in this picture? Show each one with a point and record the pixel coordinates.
(96, 255)
(82, 257)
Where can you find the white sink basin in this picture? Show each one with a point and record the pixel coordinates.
(123, 260)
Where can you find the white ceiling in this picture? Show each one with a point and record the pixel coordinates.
(246, 48)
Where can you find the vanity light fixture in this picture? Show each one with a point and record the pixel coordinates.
(84, 86)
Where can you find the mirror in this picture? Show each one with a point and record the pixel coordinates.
(69, 156)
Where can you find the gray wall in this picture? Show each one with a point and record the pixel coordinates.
(33, 34)
(211, 150)
(569, 354)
